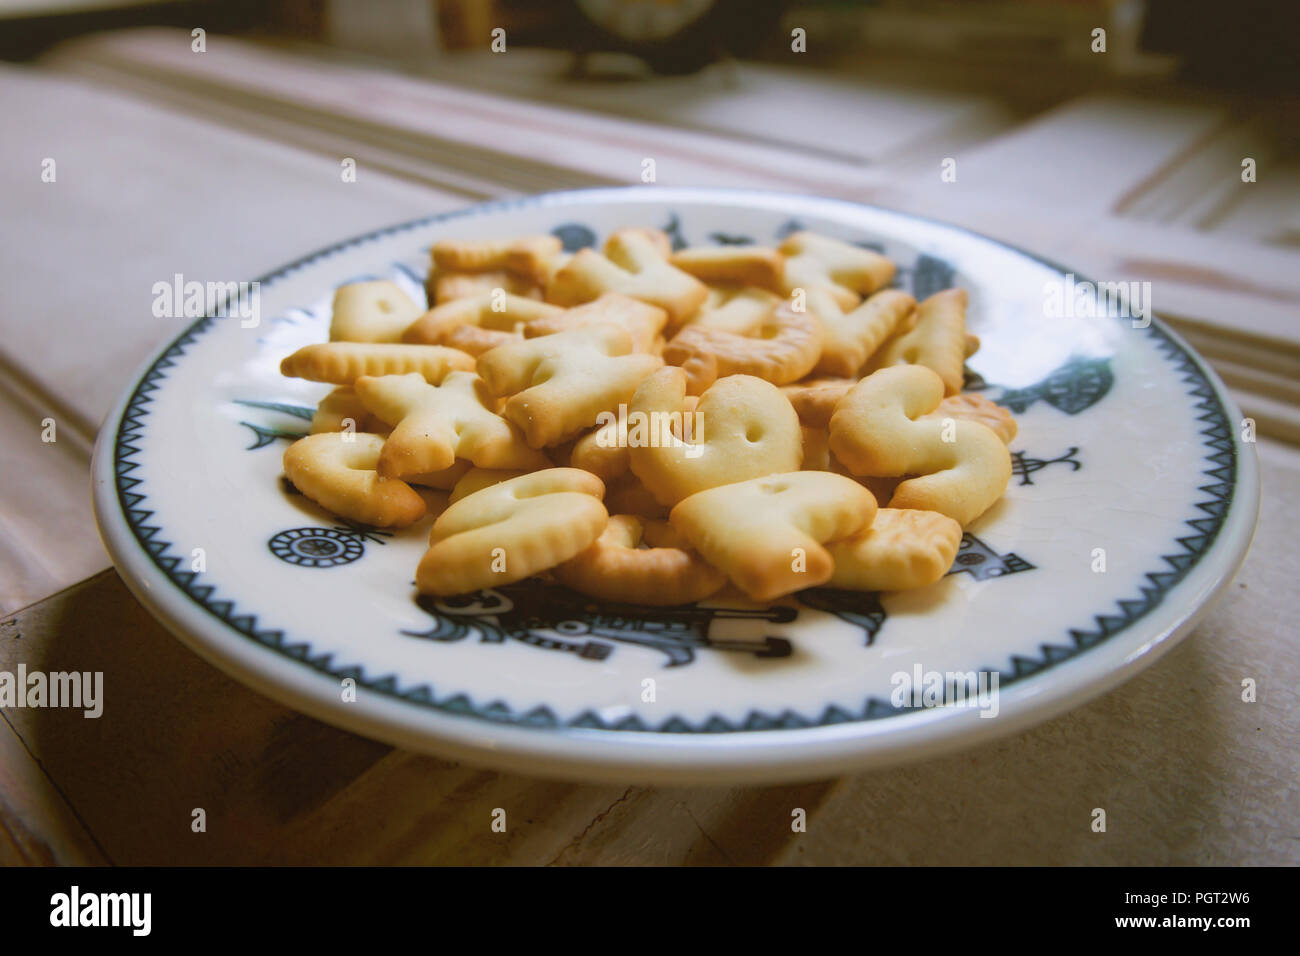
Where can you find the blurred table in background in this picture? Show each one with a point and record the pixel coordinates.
(226, 164)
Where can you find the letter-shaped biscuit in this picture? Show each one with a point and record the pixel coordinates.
(474, 325)
(977, 408)
(853, 337)
(749, 430)
(784, 347)
(476, 479)
(529, 256)
(736, 309)
(604, 451)
(444, 287)
(340, 406)
(559, 384)
(614, 568)
(626, 495)
(337, 471)
(342, 363)
(766, 534)
(433, 425)
(743, 265)
(376, 311)
(635, 264)
(880, 428)
(898, 550)
(938, 341)
(643, 321)
(443, 480)
(817, 451)
(814, 399)
(847, 271)
(512, 530)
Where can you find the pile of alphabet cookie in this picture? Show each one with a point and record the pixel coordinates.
(655, 427)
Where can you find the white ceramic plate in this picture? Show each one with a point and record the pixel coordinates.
(1128, 451)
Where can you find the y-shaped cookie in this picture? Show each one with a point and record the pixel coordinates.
(635, 264)
(375, 311)
(435, 425)
(559, 384)
(766, 534)
(614, 568)
(512, 530)
(337, 470)
(937, 341)
(847, 271)
(882, 428)
(478, 323)
(749, 429)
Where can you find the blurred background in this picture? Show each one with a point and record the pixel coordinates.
(1148, 140)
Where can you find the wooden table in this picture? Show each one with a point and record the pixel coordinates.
(163, 157)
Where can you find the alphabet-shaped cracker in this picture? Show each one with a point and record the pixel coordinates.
(375, 311)
(342, 363)
(604, 451)
(977, 408)
(814, 399)
(784, 347)
(530, 256)
(742, 265)
(643, 321)
(559, 384)
(635, 264)
(435, 425)
(337, 471)
(938, 340)
(881, 427)
(736, 309)
(477, 324)
(850, 338)
(512, 530)
(444, 287)
(627, 495)
(749, 430)
(341, 406)
(614, 568)
(847, 271)
(817, 451)
(443, 480)
(476, 479)
(898, 550)
(766, 534)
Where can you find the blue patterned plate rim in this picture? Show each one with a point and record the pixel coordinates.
(763, 747)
